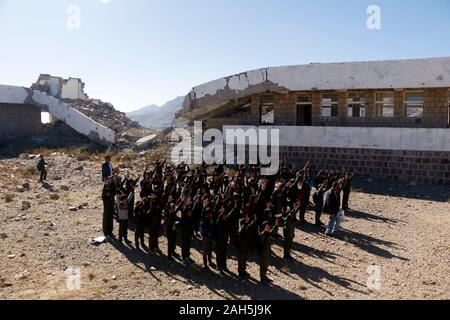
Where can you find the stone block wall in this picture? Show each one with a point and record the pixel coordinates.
(18, 121)
(422, 167)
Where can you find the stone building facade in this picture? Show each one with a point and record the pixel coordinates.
(369, 96)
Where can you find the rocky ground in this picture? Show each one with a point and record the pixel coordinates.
(402, 232)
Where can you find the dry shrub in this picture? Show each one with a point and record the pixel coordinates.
(28, 171)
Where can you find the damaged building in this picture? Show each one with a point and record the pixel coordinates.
(67, 106)
(387, 119)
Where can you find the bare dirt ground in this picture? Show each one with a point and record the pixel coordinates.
(41, 241)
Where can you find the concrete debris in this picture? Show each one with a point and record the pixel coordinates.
(146, 141)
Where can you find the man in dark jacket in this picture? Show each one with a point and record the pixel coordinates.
(332, 205)
(108, 195)
(107, 168)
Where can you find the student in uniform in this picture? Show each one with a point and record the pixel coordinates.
(207, 231)
(318, 202)
(289, 223)
(265, 237)
(171, 231)
(155, 220)
(244, 244)
(108, 195)
(140, 218)
(222, 241)
(333, 204)
(306, 191)
(346, 189)
(186, 225)
(123, 218)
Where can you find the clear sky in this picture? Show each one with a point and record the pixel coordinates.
(139, 52)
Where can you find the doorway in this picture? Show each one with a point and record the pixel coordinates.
(304, 115)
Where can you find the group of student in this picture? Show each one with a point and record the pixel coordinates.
(244, 211)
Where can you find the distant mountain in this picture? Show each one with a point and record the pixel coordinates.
(158, 117)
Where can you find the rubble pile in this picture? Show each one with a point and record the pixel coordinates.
(105, 114)
(71, 92)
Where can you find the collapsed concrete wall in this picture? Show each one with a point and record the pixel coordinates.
(71, 92)
(64, 89)
(72, 117)
(16, 97)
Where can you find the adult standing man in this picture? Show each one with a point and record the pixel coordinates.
(332, 205)
(108, 194)
(107, 168)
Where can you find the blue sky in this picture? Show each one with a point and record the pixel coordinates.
(138, 52)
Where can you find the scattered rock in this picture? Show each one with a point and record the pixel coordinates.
(3, 236)
(31, 156)
(64, 188)
(20, 188)
(5, 284)
(21, 276)
(26, 205)
(79, 168)
(11, 256)
(73, 208)
(57, 178)
(54, 196)
(26, 185)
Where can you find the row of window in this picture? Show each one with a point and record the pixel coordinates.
(414, 102)
(384, 104)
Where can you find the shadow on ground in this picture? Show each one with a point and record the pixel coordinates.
(403, 190)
